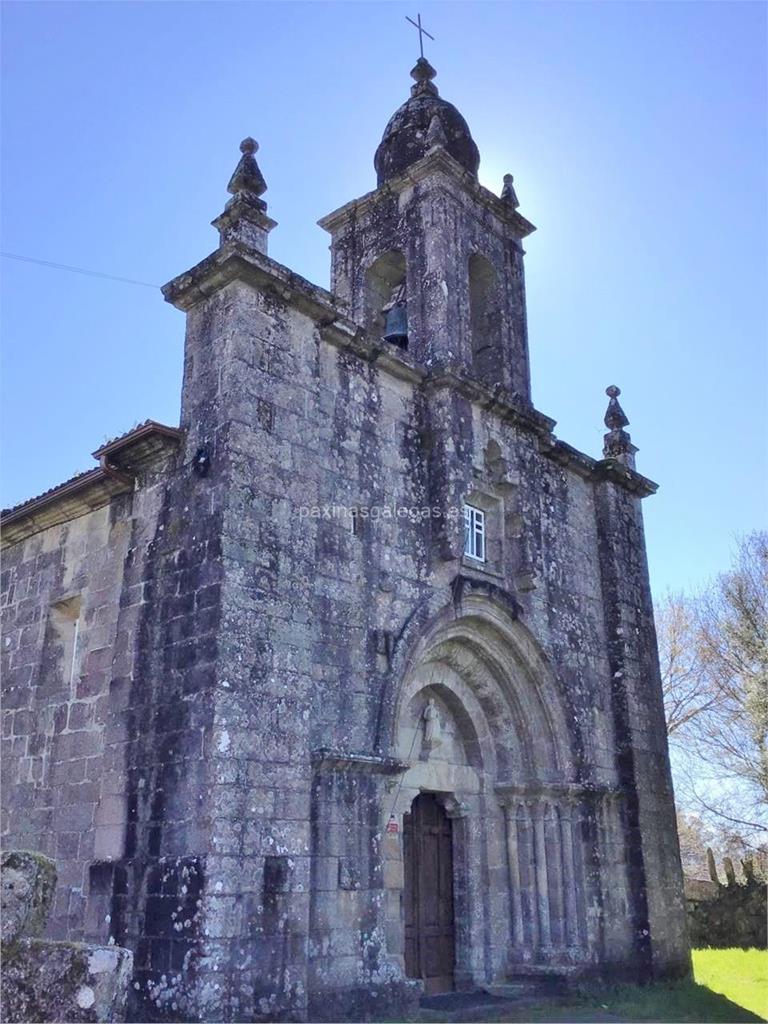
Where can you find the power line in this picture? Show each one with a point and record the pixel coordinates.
(75, 270)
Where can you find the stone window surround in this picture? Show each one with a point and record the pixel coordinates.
(492, 505)
(474, 533)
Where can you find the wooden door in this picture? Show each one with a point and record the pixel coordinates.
(428, 894)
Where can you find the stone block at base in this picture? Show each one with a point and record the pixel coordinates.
(64, 982)
(396, 1001)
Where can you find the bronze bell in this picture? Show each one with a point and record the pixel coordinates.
(396, 325)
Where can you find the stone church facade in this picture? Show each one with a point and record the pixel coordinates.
(347, 688)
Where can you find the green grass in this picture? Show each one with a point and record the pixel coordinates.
(729, 985)
(741, 975)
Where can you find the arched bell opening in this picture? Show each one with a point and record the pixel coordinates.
(485, 319)
(386, 301)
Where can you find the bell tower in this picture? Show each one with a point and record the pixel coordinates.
(431, 261)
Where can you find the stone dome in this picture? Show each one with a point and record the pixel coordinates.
(405, 138)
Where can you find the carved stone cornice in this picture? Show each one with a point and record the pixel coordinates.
(436, 162)
(493, 399)
(516, 792)
(629, 479)
(325, 759)
(238, 262)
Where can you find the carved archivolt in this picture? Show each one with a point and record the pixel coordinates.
(480, 722)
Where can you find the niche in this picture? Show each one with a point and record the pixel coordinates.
(384, 284)
(61, 655)
(485, 319)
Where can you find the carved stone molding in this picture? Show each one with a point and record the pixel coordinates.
(329, 759)
(513, 792)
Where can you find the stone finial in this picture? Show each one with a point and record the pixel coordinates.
(247, 176)
(436, 133)
(615, 417)
(423, 73)
(508, 194)
(244, 220)
(617, 442)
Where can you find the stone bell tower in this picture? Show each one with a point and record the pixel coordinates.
(432, 239)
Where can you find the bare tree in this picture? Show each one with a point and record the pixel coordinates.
(695, 838)
(688, 692)
(733, 647)
(714, 660)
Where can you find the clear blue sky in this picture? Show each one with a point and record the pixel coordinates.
(636, 133)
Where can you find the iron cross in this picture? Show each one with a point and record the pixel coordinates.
(422, 32)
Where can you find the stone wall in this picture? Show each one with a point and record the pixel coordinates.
(70, 611)
(730, 914)
(56, 699)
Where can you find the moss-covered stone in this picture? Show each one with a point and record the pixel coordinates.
(64, 981)
(734, 915)
(28, 887)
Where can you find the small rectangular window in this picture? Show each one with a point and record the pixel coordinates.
(474, 533)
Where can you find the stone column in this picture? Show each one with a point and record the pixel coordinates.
(510, 816)
(467, 893)
(571, 914)
(542, 887)
(554, 846)
(527, 850)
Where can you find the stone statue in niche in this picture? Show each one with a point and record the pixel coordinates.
(396, 317)
(433, 728)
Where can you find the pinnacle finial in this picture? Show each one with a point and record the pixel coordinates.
(423, 70)
(247, 176)
(617, 444)
(508, 193)
(422, 73)
(244, 220)
(615, 417)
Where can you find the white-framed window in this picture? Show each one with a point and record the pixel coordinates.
(474, 533)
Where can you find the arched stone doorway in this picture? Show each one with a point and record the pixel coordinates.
(482, 730)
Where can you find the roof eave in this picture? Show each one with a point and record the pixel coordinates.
(120, 460)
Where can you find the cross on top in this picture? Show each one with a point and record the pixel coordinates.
(422, 32)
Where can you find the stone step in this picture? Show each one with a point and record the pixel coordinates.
(531, 985)
(491, 1003)
(462, 1006)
